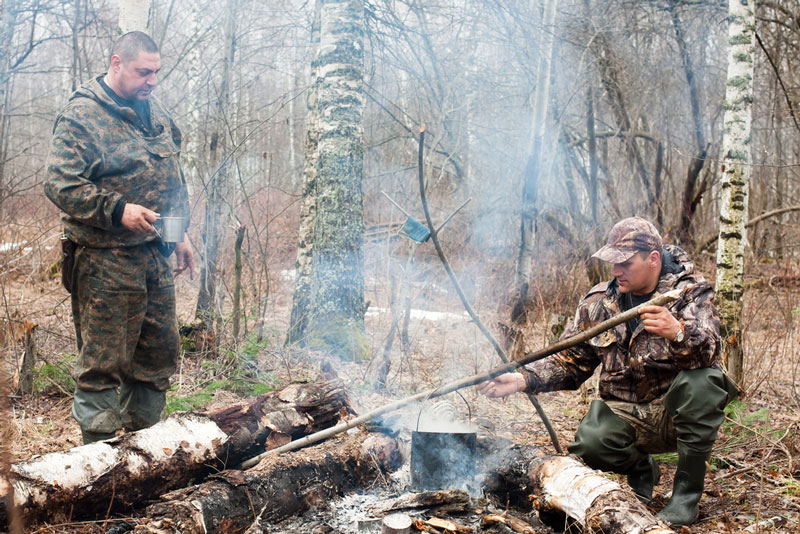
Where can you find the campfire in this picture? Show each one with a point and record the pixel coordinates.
(427, 472)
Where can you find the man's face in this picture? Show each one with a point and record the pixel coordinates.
(136, 79)
(638, 275)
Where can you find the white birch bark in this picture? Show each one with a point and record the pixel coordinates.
(305, 233)
(736, 171)
(599, 504)
(337, 280)
(133, 15)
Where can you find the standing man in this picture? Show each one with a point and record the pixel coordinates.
(661, 385)
(113, 169)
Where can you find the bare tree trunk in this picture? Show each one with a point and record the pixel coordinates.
(133, 15)
(337, 280)
(736, 167)
(8, 20)
(236, 311)
(530, 188)
(219, 186)
(298, 322)
(691, 195)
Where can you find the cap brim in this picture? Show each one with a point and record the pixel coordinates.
(613, 255)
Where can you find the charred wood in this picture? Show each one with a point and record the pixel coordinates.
(279, 487)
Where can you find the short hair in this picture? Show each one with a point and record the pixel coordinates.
(128, 46)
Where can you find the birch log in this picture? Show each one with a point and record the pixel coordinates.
(596, 502)
(127, 471)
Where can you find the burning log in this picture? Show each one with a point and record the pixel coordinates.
(126, 471)
(279, 487)
(445, 501)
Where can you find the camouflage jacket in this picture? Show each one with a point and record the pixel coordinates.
(100, 156)
(639, 369)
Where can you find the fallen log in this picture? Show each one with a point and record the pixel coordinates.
(563, 484)
(124, 472)
(279, 487)
(599, 504)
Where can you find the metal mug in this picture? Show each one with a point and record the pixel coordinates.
(170, 229)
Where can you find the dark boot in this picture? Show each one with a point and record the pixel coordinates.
(687, 488)
(91, 437)
(643, 477)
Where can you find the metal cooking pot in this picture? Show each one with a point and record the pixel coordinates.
(442, 460)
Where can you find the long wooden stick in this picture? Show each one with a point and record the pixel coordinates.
(551, 431)
(661, 300)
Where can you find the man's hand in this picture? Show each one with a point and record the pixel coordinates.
(184, 259)
(503, 385)
(138, 219)
(659, 321)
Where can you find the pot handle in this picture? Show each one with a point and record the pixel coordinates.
(422, 406)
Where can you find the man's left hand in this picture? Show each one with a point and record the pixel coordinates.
(659, 321)
(184, 259)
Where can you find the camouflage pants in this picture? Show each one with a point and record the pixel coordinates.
(613, 434)
(123, 306)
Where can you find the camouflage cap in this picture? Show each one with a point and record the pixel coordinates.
(628, 237)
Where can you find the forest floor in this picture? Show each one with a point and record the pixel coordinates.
(756, 463)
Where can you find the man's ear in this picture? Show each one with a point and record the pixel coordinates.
(116, 63)
(655, 258)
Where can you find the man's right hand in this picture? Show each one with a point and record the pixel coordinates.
(503, 385)
(138, 219)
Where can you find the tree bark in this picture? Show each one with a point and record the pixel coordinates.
(277, 488)
(133, 15)
(736, 171)
(124, 472)
(525, 476)
(337, 280)
(298, 321)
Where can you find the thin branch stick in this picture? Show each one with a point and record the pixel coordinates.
(485, 331)
(396, 205)
(661, 300)
(447, 220)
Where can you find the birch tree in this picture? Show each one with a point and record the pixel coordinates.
(337, 280)
(133, 15)
(736, 171)
(305, 234)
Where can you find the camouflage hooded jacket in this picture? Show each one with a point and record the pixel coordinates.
(100, 156)
(641, 366)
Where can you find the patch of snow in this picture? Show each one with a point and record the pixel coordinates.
(423, 315)
(10, 245)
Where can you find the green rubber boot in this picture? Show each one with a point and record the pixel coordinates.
(687, 488)
(643, 477)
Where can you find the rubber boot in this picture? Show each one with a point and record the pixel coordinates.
(643, 477)
(140, 406)
(687, 488)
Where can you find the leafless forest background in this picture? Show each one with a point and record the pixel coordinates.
(634, 127)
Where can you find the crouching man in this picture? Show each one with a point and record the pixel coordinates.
(661, 385)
